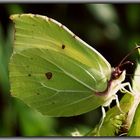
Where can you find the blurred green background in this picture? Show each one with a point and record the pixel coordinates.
(112, 29)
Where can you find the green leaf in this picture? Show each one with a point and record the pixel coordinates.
(114, 122)
(135, 111)
(135, 127)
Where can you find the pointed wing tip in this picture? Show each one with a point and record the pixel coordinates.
(12, 16)
(15, 16)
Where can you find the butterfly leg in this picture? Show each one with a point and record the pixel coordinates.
(129, 86)
(102, 119)
(117, 103)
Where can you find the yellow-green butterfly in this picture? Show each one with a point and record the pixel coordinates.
(55, 72)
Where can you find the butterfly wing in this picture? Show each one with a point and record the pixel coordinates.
(54, 71)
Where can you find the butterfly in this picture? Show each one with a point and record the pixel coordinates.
(55, 72)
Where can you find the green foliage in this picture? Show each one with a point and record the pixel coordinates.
(135, 113)
(112, 29)
(115, 119)
(134, 130)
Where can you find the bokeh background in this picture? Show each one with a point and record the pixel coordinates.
(112, 29)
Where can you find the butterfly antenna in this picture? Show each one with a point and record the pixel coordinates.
(127, 62)
(122, 62)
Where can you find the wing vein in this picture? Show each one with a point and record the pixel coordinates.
(67, 73)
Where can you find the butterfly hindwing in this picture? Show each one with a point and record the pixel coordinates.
(53, 70)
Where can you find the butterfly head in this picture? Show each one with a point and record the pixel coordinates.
(116, 73)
